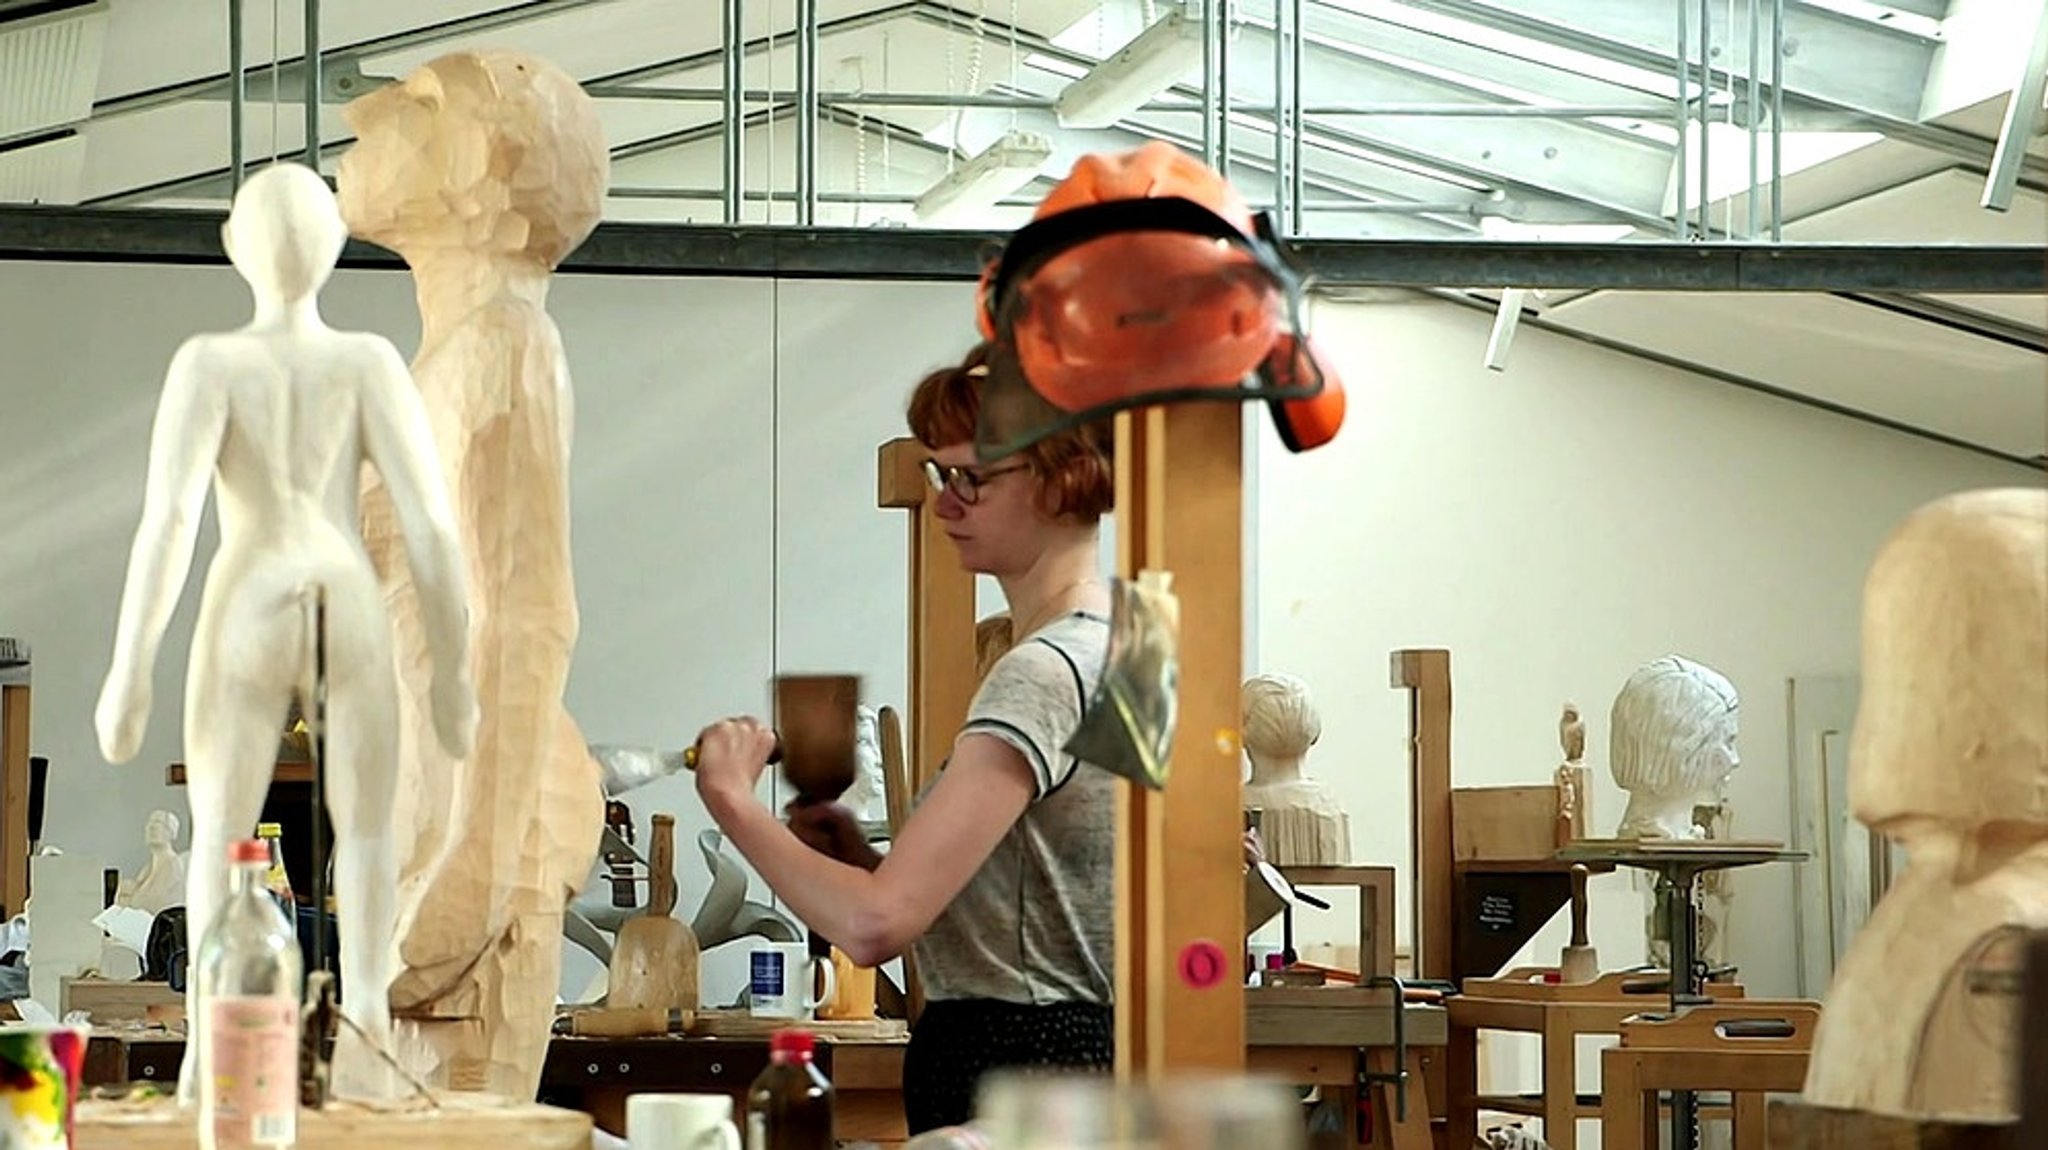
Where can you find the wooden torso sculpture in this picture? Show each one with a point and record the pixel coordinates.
(484, 170)
(1950, 757)
(1300, 823)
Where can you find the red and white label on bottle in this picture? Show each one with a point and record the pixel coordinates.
(254, 1084)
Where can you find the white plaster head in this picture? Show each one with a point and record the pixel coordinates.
(1671, 744)
(1952, 724)
(284, 232)
(160, 830)
(492, 151)
(1279, 717)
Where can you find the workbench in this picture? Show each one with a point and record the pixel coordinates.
(595, 1075)
(1340, 1039)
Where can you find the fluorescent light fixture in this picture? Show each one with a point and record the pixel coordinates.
(1506, 319)
(1156, 60)
(1000, 169)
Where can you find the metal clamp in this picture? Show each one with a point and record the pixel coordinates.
(1399, 1075)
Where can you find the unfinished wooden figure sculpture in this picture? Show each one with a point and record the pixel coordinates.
(483, 170)
(1671, 746)
(282, 414)
(1302, 823)
(1949, 756)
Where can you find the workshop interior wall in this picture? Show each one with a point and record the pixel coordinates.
(1553, 526)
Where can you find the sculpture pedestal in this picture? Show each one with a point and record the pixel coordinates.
(463, 1122)
(1797, 1125)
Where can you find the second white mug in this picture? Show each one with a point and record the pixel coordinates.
(780, 976)
(680, 1122)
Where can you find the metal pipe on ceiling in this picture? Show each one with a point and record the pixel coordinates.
(238, 97)
(1297, 164)
(1286, 106)
(1223, 55)
(312, 97)
(1679, 114)
(1750, 91)
(1777, 120)
(806, 112)
(1706, 188)
(734, 108)
(1212, 81)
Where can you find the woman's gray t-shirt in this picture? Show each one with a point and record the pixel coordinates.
(1036, 924)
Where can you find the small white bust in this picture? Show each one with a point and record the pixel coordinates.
(1671, 746)
(1301, 823)
(161, 881)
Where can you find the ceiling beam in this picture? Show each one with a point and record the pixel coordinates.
(193, 237)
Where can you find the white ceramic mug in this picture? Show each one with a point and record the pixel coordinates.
(780, 976)
(681, 1122)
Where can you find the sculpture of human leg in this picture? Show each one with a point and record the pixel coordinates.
(233, 710)
(362, 768)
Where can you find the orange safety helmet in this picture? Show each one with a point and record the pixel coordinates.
(1145, 278)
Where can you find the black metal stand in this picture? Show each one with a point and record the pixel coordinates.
(1678, 866)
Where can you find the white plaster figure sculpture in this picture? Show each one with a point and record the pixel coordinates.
(161, 881)
(1949, 756)
(484, 170)
(1671, 746)
(281, 415)
(864, 797)
(1302, 823)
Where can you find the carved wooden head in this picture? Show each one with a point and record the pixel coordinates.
(1953, 720)
(1673, 727)
(1280, 717)
(487, 152)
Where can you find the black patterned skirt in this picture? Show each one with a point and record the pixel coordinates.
(956, 1041)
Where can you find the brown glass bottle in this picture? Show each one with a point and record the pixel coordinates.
(789, 1106)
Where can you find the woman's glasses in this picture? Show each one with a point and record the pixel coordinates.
(964, 483)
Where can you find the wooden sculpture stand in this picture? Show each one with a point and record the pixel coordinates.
(463, 1122)
(14, 788)
(1486, 872)
(1691, 1052)
(1521, 1001)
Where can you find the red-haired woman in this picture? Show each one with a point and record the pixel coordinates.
(1001, 880)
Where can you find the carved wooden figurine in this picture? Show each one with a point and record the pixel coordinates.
(1574, 786)
(483, 170)
(1671, 746)
(1949, 756)
(1302, 823)
(282, 414)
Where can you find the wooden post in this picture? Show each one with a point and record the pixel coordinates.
(1427, 675)
(1180, 509)
(941, 614)
(14, 787)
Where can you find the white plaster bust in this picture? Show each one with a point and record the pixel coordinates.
(1950, 757)
(161, 881)
(1671, 746)
(1301, 823)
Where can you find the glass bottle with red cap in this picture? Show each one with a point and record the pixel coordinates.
(248, 977)
(789, 1106)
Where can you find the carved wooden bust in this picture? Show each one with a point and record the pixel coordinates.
(1950, 757)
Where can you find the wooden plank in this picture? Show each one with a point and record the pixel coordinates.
(1350, 1017)
(1375, 886)
(1798, 1125)
(288, 771)
(14, 780)
(941, 614)
(1180, 497)
(1426, 674)
(463, 1122)
(1518, 823)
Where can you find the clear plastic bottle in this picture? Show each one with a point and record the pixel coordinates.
(789, 1106)
(249, 977)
